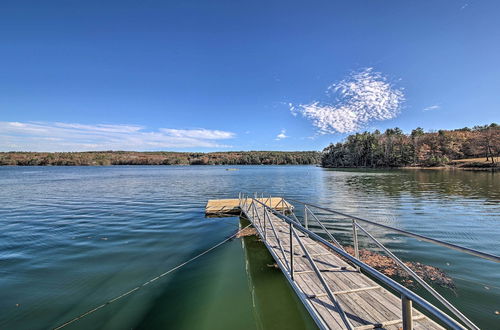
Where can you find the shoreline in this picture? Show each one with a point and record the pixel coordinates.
(441, 167)
(166, 165)
(445, 167)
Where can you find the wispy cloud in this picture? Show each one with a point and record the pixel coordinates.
(432, 107)
(362, 97)
(40, 136)
(101, 127)
(204, 134)
(282, 135)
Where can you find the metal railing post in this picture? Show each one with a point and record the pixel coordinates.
(265, 229)
(306, 224)
(355, 241)
(291, 250)
(283, 204)
(407, 313)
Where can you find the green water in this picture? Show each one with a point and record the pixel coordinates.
(74, 237)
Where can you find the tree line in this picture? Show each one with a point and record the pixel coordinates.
(159, 158)
(393, 148)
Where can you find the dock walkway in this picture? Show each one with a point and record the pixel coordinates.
(354, 302)
(338, 289)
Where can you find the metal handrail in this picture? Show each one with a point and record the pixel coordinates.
(324, 228)
(426, 286)
(405, 293)
(331, 295)
(476, 253)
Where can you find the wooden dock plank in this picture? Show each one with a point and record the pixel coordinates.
(232, 206)
(365, 308)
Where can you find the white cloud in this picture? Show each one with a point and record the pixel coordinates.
(39, 136)
(362, 97)
(102, 128)
(282, 135)
(432, 107)
(198, 133)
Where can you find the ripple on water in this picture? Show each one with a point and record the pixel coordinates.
(72, 237)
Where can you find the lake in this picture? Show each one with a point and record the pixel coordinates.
(75, 237)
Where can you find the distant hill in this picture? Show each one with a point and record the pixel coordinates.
(393, 148)
(160, 158)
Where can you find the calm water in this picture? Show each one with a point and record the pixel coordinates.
(73, 237)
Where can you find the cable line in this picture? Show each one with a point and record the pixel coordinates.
(123, 295)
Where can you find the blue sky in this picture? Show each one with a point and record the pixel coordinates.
(234, 75)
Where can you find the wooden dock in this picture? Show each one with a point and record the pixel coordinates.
(232, 206)
(357, 302)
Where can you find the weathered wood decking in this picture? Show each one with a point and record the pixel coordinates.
(232, 206)
(366, 304)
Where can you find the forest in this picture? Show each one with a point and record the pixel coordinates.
(160, 158)
(393, 148)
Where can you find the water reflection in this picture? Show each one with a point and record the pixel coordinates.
(73, 237)
(419, 183)
(275, 305)
(455, 206)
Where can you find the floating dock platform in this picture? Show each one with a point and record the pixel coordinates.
(232, 206)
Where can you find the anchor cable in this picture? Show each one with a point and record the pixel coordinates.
(95, 309)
